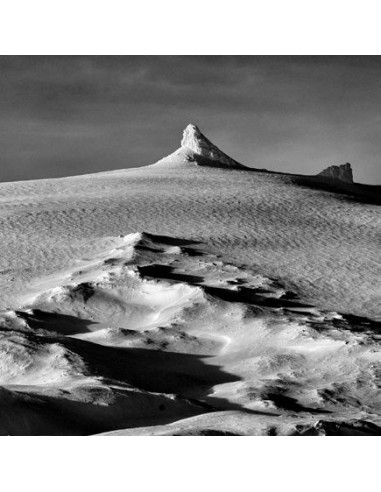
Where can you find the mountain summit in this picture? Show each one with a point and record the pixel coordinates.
(201, 146)
(197, 149)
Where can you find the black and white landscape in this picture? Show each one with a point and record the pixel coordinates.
(192, 296)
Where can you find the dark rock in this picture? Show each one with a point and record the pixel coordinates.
(340, 173)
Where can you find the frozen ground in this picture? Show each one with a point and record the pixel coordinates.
(191, 296)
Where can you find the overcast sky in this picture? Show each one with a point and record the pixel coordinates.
(62, 116)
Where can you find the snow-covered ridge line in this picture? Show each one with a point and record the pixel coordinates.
(197, 150)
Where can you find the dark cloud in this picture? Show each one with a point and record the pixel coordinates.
(70, 115)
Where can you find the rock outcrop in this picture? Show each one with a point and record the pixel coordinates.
(339, 173)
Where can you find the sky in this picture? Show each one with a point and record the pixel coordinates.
(68, 115)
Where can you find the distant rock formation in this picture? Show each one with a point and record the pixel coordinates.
(200, 146)
(339, 173)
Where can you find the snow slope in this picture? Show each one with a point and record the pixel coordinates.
(248, 306)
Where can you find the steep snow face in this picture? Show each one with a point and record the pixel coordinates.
(195, 141)
(341, 173)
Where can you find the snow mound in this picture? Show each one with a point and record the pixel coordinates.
(29, 360)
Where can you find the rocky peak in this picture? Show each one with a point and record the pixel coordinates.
(195, 141)
(340, 173)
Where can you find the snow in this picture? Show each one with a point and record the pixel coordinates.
(190, 296)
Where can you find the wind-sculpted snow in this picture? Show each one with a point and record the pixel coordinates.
(325, 245)
(158, 331)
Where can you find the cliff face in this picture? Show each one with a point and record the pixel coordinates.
(340, 173)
